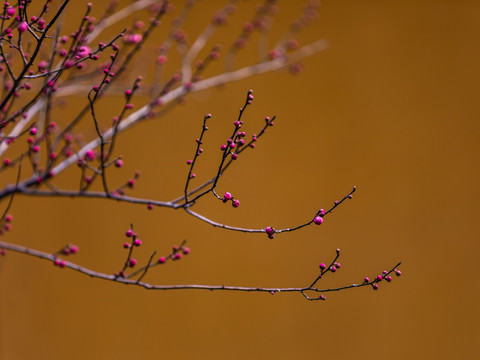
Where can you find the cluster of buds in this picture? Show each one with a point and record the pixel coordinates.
(178, 251)
(135, 242)
(69, 249)
(228, 197)
(6, 223)
(234, 145)
(318, 219)
(60, 263)
(332, 268)
(384, 276)
(176, 254)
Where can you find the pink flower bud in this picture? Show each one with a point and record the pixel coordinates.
(89, 155)
(161, 59)
(132, 262)
(22, 27)
(269, 230)
(42, 66)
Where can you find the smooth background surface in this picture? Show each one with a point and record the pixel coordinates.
(391, 107)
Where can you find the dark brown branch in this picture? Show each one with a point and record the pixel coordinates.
(118, 279)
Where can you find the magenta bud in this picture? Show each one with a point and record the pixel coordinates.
(318, 220)
(132, 262)
(10, 10)
(22, 27)
(269, 230)
(322, 266)
(89, 155)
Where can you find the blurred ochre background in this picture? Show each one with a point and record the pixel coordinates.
(391, 107)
